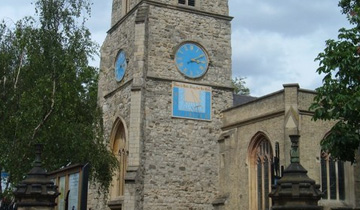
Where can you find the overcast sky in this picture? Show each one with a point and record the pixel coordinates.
(274, 42)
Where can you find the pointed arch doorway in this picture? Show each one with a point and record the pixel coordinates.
(119, 147)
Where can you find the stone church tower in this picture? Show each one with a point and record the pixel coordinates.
(165, 77)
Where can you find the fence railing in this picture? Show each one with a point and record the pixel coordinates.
(7, 206)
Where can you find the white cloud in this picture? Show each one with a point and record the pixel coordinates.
(274, 42)
(11, 12)
(269, 60)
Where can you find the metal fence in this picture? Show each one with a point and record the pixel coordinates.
(7, 206)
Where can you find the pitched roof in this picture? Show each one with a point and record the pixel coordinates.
(242, 99)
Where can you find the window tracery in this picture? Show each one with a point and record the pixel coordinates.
(332, 178)
(261, 157)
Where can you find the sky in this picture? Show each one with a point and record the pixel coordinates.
(273, 42)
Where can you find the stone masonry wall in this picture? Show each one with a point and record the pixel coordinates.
(234, 171)
(234, 151)
(118, 10)
(258, 108)
(116, 13)
(122, 38)
(180, 157)
(213, 6)
(168, 28)
(113, 107)
(219, 7)
(305, 98)
(114, 97)
(237, 154)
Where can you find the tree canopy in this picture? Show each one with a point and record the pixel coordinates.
(339, 96)
(48, 92)
(238, 84)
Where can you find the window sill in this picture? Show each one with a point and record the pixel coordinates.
(334, 204)
(116, 204)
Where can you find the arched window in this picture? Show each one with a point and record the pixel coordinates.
(260, 157)
(187, 2)
(332, 178)
(119, 148)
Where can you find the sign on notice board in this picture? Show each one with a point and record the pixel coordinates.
(73, 184)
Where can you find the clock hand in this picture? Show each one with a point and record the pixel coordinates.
(200, 56)
(194, 60)
(197, 59)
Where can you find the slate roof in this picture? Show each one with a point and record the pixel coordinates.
(242, 99)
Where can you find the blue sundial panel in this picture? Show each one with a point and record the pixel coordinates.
(191, 60)
(191, 101)
(120, 66)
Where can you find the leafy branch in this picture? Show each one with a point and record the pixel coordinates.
(338, 98)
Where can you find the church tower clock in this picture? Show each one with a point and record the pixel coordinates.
(165, 76)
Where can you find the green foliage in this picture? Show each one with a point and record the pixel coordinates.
(238, 84)
(49, 93)
(339, 96)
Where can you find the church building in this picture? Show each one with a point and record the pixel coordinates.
(182, 139)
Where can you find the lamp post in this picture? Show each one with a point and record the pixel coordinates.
(295, 190)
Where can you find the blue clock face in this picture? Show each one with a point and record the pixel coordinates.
(191, 60)
(120, 66)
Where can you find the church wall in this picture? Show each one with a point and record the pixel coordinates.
(116, 106)
(213, 6)
(311, 134)
(180, 157)
(120, 9)
(116, 11)
(235, 173)
(178, 161)
(114, 97)
(95, 200)
(266, 105)
(234, 144)
(305, 99)
(113, 107)
(219, 7)
(169, 28)
(133, 3)
(122, 38)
